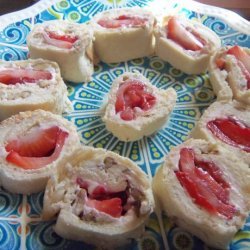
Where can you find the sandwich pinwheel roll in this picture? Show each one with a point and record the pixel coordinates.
(31, 145)
(123, 34)
(227, 124)
(99, 197)
(68, 44)
(229, 72)
(205, 190)
(136, 108)
(29, 85)
(185, 44)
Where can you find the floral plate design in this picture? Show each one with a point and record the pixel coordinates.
(21, 226)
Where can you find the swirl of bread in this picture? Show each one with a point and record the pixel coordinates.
(226, 75)
(68, 44)
(32, 143)
(146, 120)
(99, 197)
(204, 188)
(172, 44)
(227, 124)
(29, 85)
(123, 34)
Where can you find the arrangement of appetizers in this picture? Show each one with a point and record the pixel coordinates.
(105, 199)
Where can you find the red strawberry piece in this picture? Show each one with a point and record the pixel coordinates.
(65, 38)
(221, 193)
(16, 75)
(213, 171)
(186, 162)
(82, 183)
(132, 94)
(60, 41)
(113, 206)
(122, 21)
(39, 148)
(187, 165)
(128, 114)
(231, 131)
(37, 143)
(95, 190)
(177, 32)
(243, 61)
(220, 63)
(202, 187)
(194, 192)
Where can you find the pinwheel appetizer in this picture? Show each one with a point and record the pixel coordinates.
(229, 71)
(29, 85)
(31, 145)
(136, 108)
(68, 44)
(205, 189)
(229, 124)
(100, 198)
(185, 44)
(123, 34)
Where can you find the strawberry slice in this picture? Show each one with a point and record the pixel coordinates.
(122, 21)
(65, 38)
(11, 76)
(186, 161)
(241, 55)
(37, 143)
(128, 114)
(39, 148)
(202, 187)
(95, 190)
(213, 171)
(186, 38)
(194, 192)
(113, 206)
(243, 61)
(102, 199)
(132, 94)
(220, 63)
(60, 41)
(231, 131)
(221, 193)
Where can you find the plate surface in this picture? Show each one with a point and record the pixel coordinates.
(20, 222)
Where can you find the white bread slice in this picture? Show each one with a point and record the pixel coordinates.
(215, 230)
(114, 45)
(75, 63)
(146, 122)
(78, 221)
(230, 82)
(233, 109)
(190, 62)
(26, 181)
(50, 95)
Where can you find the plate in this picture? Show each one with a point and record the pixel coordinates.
(21, 226)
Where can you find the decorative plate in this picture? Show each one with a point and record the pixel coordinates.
(21, 226)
